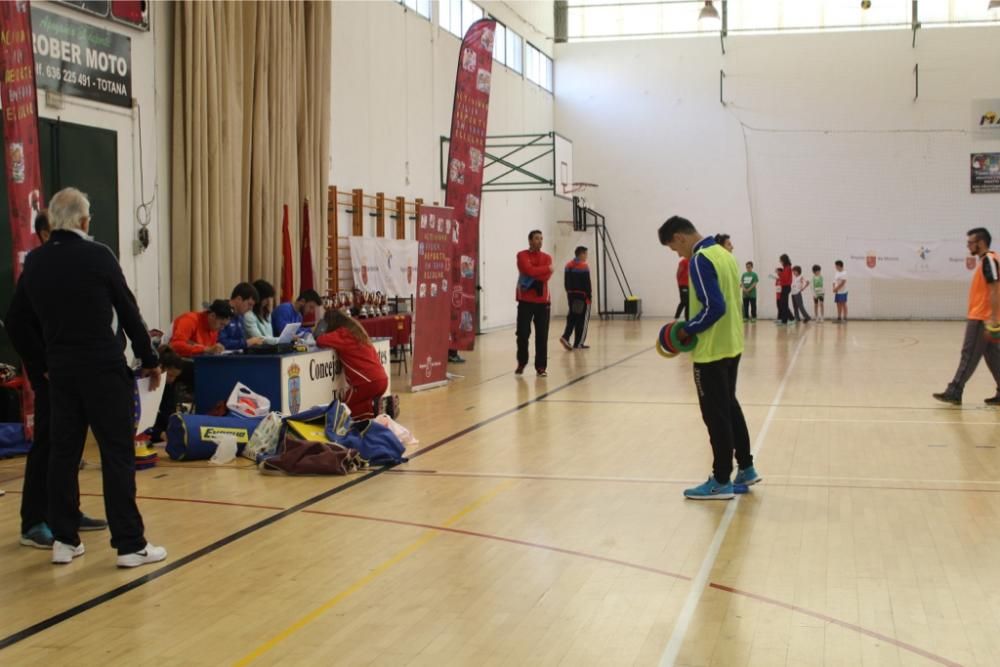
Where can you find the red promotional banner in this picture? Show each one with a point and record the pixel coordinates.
(306, 259)
(437, 238)
(20, 149)
(465, 173)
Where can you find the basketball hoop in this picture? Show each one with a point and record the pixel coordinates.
(570, 188)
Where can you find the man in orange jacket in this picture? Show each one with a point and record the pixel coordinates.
(197, 333)
(984, 307)
(534, 269)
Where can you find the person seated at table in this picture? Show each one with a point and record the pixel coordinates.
(304, 308)
(197, 333)
(363, 370)
(232, 336)
(257, 322)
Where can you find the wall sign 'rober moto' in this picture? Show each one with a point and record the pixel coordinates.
(79, 59)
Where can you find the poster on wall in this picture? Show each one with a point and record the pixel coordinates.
(81, 60)
(465, 172)
(20, 148)
(436, 241)
(383, 265)
(985, 173)
(909, 260)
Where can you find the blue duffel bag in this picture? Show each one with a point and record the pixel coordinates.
(192, 437)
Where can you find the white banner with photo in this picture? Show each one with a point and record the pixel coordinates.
(383, 265)
(909, 260)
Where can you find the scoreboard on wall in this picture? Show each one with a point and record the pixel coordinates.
(133, 13)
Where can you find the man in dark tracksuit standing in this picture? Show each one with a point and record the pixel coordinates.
(578, 292)
(34, 494)
(73, 291)
(715, 319)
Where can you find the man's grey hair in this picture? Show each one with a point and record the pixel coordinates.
(68, 209)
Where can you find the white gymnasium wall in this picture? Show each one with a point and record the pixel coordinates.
(393, 85)
(150, 50)
(820, 140)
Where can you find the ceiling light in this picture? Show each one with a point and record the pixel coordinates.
(709, 14)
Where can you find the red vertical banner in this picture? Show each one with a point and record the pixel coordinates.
(437, 238)
(466, 159)
(287, 274)
(20, 147)
(306, 258)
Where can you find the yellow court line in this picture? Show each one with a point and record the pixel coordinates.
(379, 570)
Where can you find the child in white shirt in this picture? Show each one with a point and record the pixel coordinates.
(840, 291)
(799, 283)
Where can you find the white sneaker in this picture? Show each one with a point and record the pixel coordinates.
(63, 553)
(151, 554)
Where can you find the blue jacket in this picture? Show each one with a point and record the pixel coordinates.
(232, 336)
(283, 315)
(705, 282)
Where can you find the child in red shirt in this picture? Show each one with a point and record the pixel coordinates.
(366, 378)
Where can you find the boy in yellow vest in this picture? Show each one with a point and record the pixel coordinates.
(984, 307)
(715, 318)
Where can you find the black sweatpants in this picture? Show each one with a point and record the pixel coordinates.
(975, 347)
(682, 307)
(576, 319)
(721, 411)
(539, 314)
(784, 311)
(749, 308)
(104, 401)
(34, 493)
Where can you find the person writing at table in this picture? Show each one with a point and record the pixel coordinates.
(257, 322)
(197, 333)
(232, 336)
(304, 308)
(363, 370)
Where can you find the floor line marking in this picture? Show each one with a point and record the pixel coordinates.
(376, 572)
(701, 580)
(644, 568)
(173, 565)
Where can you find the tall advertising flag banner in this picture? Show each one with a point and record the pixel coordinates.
(465, 173)
(437, 237)
(20, 145)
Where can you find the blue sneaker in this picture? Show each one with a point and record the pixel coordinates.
(38, 536)
(747, 476)
(711, 490)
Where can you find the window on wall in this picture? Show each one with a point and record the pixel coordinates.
(457, 16)
(508, 47)
(471, 12)
(538, 67)
(500, 44)
(515, 51)
(450, 16)
(607, 19)
(422, 7)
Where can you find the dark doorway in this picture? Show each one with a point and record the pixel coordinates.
(71, 155)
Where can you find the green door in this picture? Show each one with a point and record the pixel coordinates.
(71, 155)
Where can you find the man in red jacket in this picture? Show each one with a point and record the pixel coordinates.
(534, 269)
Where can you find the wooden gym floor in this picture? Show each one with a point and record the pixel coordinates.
(541, 521)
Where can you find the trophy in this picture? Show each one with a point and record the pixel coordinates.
(365, 310)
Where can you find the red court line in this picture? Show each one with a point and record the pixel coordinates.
(11, 479)
(510, 540)
(727, 589)
(844, 624)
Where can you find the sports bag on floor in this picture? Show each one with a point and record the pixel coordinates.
(192, 437)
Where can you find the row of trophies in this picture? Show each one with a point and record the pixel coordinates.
(362, 304)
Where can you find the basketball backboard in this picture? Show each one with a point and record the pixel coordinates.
(563, 168)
